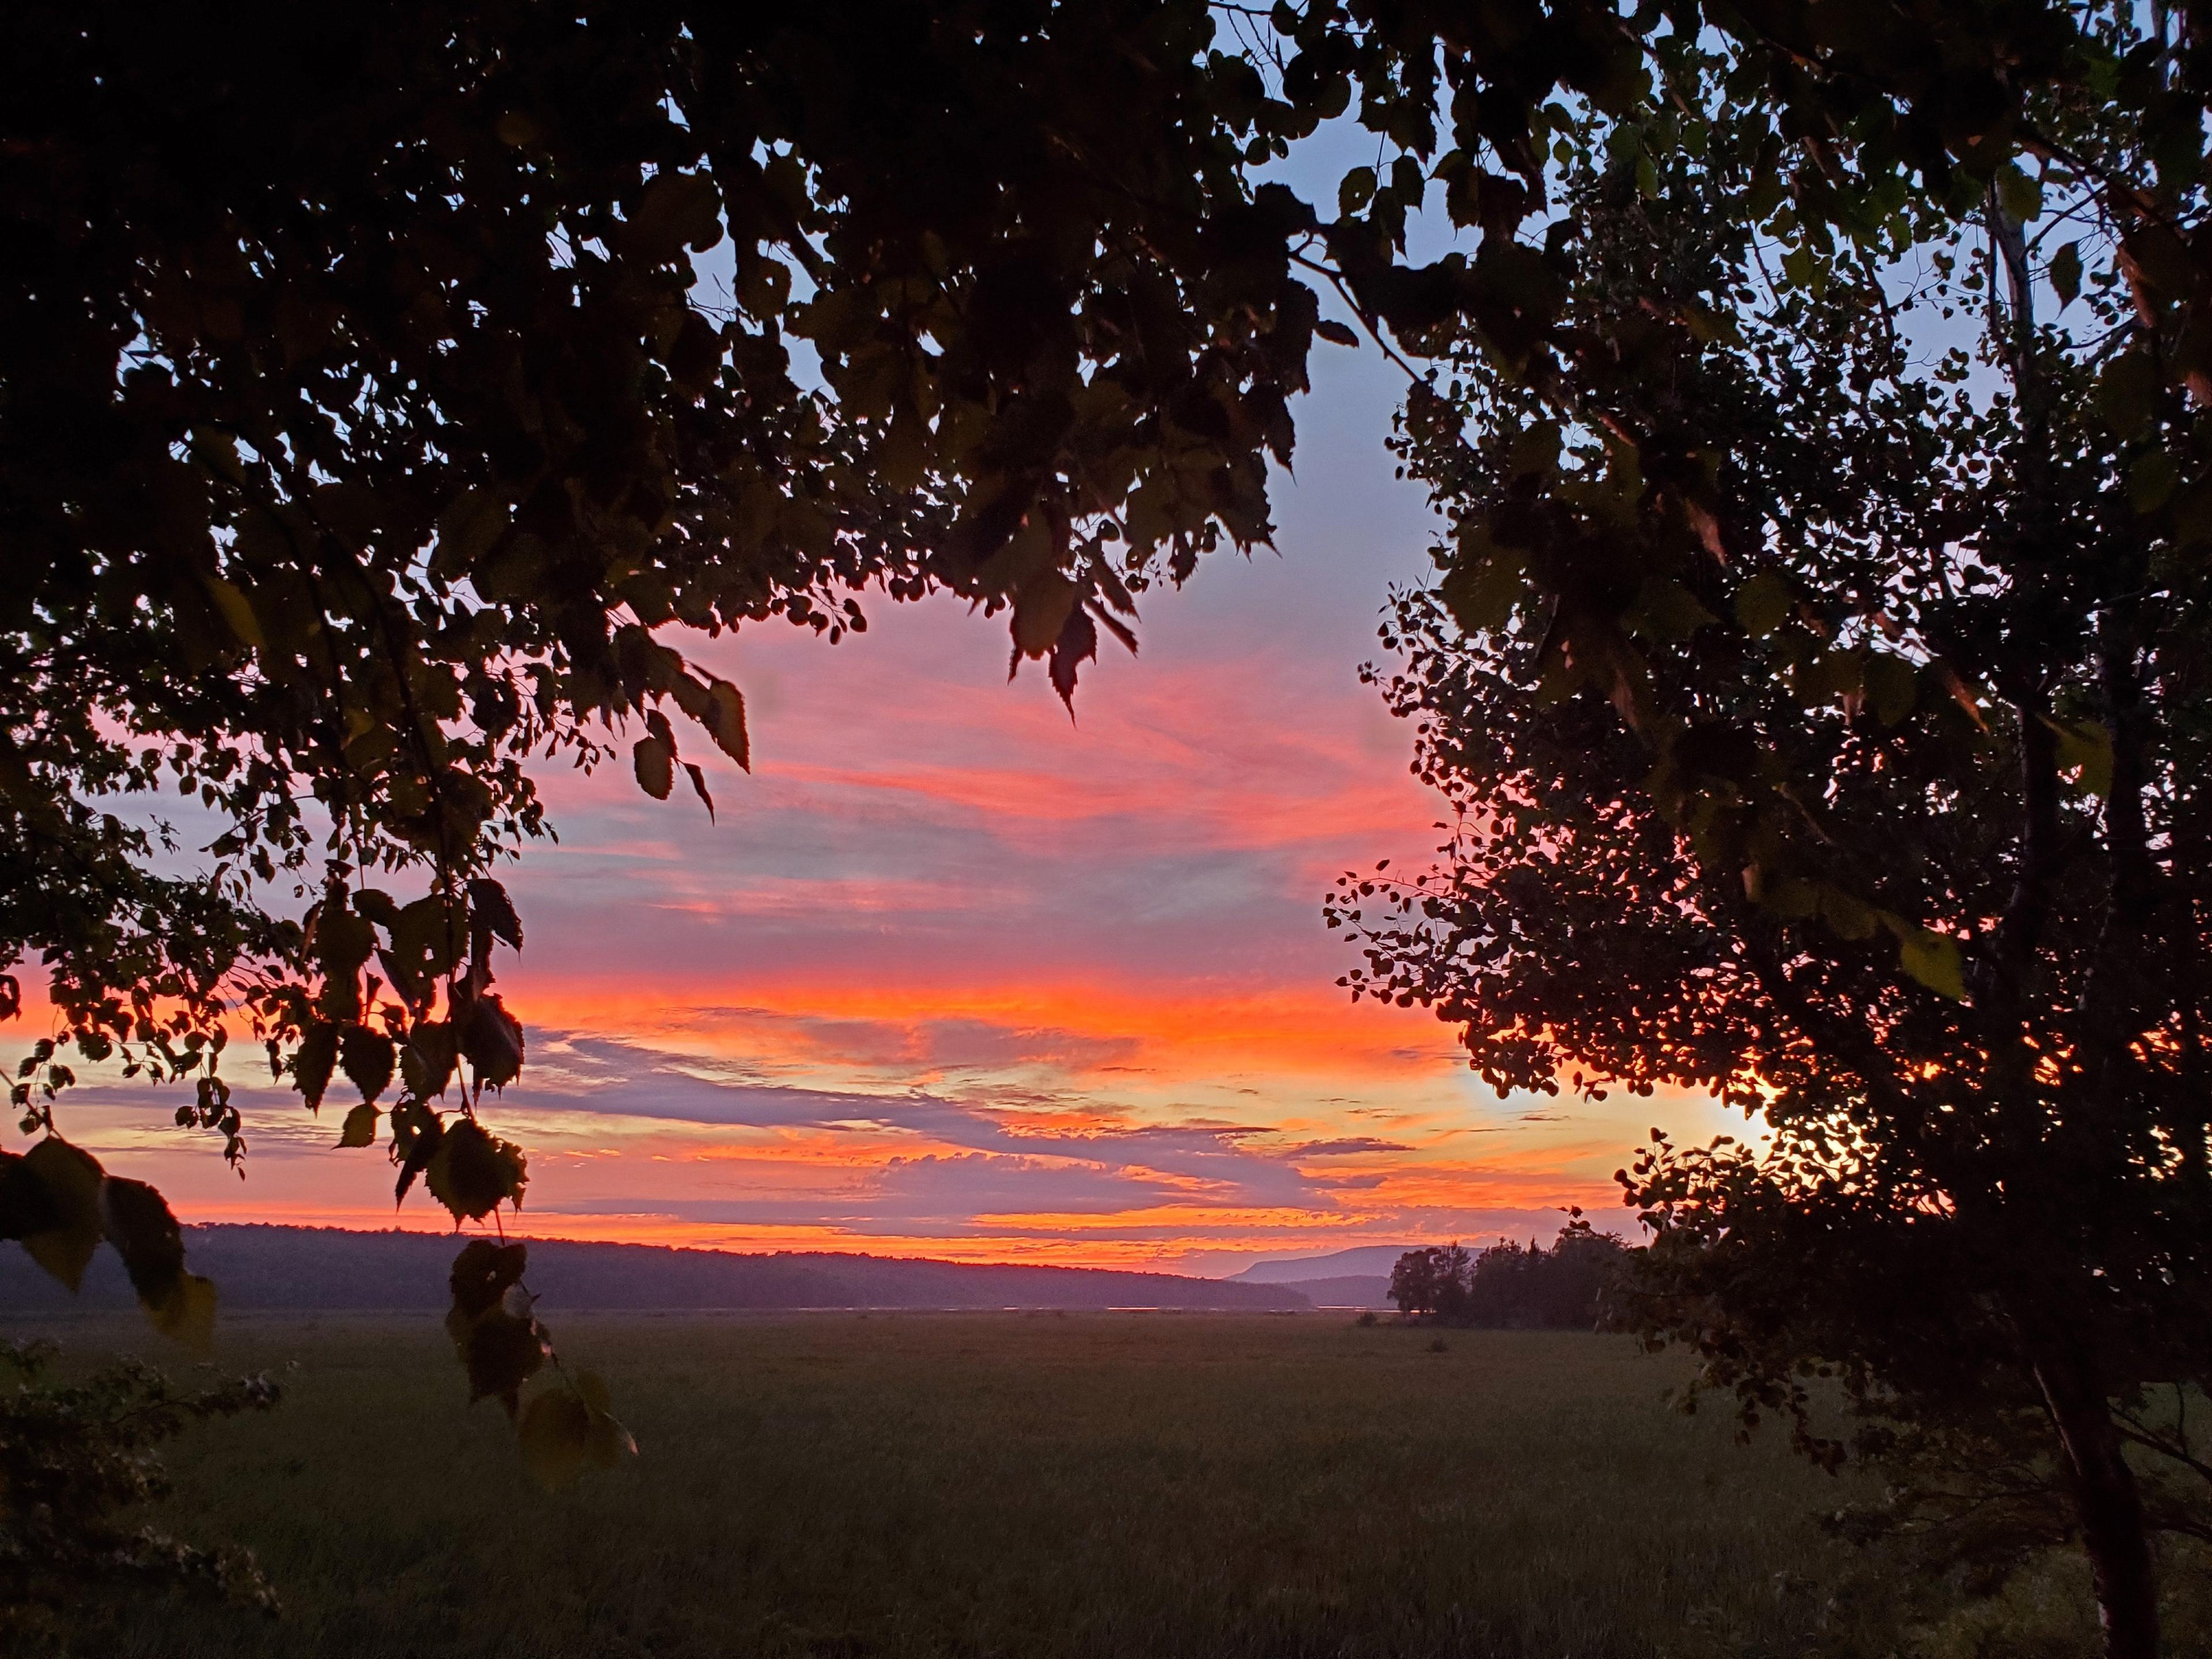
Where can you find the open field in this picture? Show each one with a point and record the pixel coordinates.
(1016, 1485)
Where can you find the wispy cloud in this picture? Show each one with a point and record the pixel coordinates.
(954, 975)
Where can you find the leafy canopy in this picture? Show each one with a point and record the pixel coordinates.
(388, 398)
(1818, 672)
(369, 417)
(384, 395)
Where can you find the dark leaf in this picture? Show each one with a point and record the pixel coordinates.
(677, 208)
(366, 1055)
(2085, 749)
(481, 1273)
(609, 1441)
(1893, 684)
(71, 1179)
(417, 1143)
(1934, 959)
(314, 1061)
(1763, 603)
(491, 1042)
(490, 906)
(2066, 274)
(186, 1314)
(1042, 610)
(501, 1351)
(2128, 392)
(342, 939)
(653, 759)
(473, 1172)
(1077, 644)
(592, 1389)
(556, 1436)
(26, 1205)
(430, 933)
(138, 1221)
(2021, 196)
(426, 1059)
(376, 907)
(723, 714)
(415, 986)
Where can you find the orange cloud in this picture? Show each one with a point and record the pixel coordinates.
(950, 975)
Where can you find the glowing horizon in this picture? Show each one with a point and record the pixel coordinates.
(954, 976)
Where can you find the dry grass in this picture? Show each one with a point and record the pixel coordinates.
(1016, 1485)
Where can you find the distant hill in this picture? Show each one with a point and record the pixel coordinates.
(258, 1267)
(1365, 1259)
(1343, 1291)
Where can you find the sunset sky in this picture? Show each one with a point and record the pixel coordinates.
(956, 975)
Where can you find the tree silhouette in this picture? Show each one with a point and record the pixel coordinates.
(1819, 676)
(1510, 1287)
(386, 395)
(380, 388)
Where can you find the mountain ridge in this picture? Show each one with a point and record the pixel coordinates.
(1344, 1290)
(1361, 1259)
(260, 1266)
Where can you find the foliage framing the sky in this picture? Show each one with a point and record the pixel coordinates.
(1819, 671)
(362, 467)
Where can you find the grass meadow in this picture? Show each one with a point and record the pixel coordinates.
(1044, 1487)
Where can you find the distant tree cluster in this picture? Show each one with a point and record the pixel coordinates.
(1509, 1286)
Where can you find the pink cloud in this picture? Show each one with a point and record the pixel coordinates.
(953, 975)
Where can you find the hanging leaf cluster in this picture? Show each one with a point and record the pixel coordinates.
(569, 1423)
(61, 1206)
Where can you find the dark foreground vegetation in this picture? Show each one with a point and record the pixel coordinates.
(1047, 1485)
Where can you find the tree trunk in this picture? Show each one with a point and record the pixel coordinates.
(2106, 1499)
